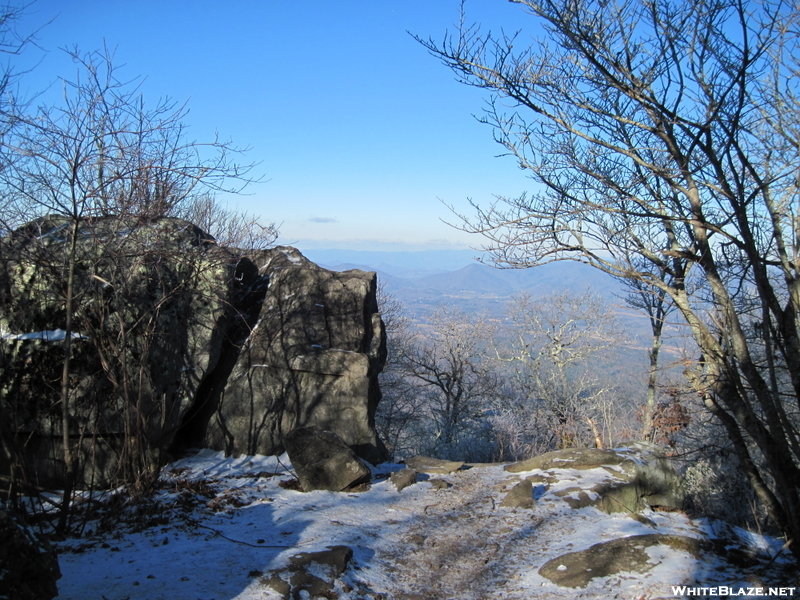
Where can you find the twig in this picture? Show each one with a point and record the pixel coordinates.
(223, 536)
(778, 553)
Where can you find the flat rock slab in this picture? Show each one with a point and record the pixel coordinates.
(577, 569)
(425, 464)
(572, 458)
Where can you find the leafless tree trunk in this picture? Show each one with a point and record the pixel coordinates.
(666, 132)
(66, 440)
(100, 154)
(656, 304)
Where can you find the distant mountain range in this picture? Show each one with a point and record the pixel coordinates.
(423, 281)
(426, 279)
(458, 271)
(398, 264)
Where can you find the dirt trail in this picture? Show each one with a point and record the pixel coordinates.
(461, 545)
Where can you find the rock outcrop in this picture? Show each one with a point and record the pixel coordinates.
(151, 307)
(177, 342)
(312, 358)
(636, 478)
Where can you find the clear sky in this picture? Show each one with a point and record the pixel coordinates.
(361, 135)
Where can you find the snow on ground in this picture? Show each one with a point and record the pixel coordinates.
(218, 524)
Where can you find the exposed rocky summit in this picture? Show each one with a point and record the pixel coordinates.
(454, 536)
(177, 342)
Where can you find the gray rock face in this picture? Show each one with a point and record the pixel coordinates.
(28, 566)
(208, 347)
(577, 569)
(311, 359)
(323, 461)
(151, 308)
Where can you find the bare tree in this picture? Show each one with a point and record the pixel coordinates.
(230, 228)
(401, 408)
(555, 347)
(657, 306)
(455, 379)
(102, 153)
(12, 43)
(665, 133)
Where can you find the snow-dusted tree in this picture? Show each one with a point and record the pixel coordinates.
(555, 348)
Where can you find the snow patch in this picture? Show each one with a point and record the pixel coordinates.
(53, 335)
(455, 542)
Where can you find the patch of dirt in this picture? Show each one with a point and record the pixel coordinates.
(459, 547)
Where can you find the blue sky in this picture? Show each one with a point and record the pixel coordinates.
(359, 132)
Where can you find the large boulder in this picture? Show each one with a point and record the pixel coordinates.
(151, 308)
(177, 343)
(323, 461)
(311, 359)
(28, 565)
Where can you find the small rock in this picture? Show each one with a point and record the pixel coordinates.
(330, 563)
(335, 557)
(440, 484)
(403, 479)
(303, 581)
(520, 496)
